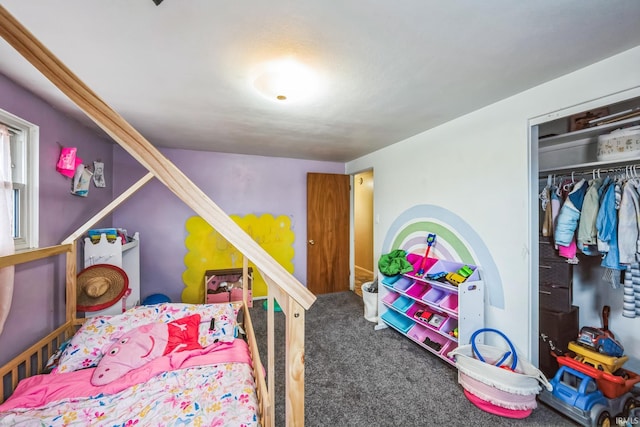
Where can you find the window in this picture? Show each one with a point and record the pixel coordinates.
(24, 142)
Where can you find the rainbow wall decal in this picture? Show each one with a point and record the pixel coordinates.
(455, 241)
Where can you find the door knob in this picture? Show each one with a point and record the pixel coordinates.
(312, 242)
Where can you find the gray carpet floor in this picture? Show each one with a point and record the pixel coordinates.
(357, 376)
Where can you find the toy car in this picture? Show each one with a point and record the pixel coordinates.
(577, 396)
(454, 278)
(600, 340)
(465, 271)
(423, 315)
(437, 276)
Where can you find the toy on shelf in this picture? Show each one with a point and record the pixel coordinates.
(436, 277)
(431, 239)
(600, 361)
(453, 278)
(465, 271)
(602, 339)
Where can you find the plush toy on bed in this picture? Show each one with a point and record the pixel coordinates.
(144, 344)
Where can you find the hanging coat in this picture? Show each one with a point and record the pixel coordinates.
(628, 222)
(570, 214)
(607, 225)
(587, 231)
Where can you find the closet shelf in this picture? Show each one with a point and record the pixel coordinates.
(585, 133)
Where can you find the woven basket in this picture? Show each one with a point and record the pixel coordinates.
(503, 377)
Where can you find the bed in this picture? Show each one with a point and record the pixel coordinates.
(18, 376)
(209, 381)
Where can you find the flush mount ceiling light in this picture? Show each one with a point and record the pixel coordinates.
(286, 80)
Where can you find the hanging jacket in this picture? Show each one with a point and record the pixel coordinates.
(587, 232)
(628, 215)
(607, 225)
(570, 214)
(556, 204)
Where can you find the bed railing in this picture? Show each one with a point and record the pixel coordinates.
(32, 361)
(293, 297)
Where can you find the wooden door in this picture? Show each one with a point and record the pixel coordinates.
(327, 233)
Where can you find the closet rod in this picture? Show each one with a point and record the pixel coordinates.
(584, 171)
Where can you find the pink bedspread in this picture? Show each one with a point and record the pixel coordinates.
(39, 390)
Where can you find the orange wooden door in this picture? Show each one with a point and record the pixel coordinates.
(327, 233)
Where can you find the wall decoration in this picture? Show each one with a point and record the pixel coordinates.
(98, 174)
(81, 180)
(209, 250)
(68, 161)
(457, 241)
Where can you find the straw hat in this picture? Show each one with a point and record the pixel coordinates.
(100, 286)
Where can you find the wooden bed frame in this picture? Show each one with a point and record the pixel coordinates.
(293, 297)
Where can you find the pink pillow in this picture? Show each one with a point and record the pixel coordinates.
(144, 344)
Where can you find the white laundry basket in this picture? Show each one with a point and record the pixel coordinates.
(370, 303)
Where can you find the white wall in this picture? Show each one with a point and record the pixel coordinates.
(477, 166)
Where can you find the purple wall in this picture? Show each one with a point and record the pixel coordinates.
(38, 301)
(238, 184)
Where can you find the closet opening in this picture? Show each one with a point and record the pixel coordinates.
(592, 148)
(363, 262)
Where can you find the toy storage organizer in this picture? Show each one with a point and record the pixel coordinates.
(226, 286)
(125, 256)
(444, 307)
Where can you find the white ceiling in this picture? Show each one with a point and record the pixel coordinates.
(179, 72)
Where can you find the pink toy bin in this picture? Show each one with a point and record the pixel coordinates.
(416, 261)
(428, 337)
(450, 302)
(415, 307)
(418, 289)
(449, 346)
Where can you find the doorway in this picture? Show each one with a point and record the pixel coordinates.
(363, 265)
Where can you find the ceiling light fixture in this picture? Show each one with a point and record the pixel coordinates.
(286, 80)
